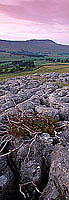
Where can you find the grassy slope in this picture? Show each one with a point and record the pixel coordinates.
(44, 69)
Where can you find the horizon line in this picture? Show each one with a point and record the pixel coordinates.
(10, 40)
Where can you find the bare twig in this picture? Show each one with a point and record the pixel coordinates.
(25, 127)
(27, 157)
(36, 187)
(2, 137)
(25, 184)
(3, 132)
(20, 189)
(64, 125)
(10, 151)
(5, 145)
(5, 140)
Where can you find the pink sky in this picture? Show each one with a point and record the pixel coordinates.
(35, 19)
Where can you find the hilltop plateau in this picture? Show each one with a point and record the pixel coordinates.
(34, 47)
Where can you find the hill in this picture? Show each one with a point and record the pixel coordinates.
(33, 47)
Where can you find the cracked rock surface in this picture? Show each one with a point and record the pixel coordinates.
(42, 165)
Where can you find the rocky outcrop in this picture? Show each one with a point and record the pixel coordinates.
(58, 183)
(7, 181)
(38, 169)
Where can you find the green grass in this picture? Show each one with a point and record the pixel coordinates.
(41, 70)
(9, 59)
(54, 68)
(12, 75)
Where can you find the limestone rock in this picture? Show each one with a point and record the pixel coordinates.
(58, 184)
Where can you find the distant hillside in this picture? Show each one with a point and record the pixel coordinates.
(34, 47)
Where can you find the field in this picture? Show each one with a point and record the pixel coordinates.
(13, 65)
(41, 70)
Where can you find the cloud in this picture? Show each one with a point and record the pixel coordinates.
(26, 19)
(43, 11)
(9, 2)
